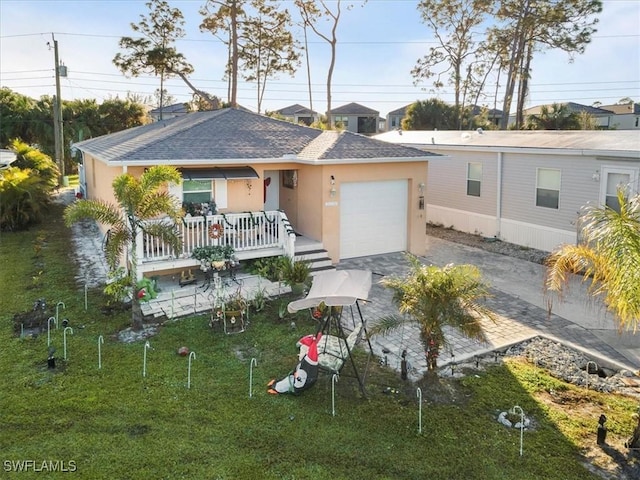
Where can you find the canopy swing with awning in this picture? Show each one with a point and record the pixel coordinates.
(338, 289)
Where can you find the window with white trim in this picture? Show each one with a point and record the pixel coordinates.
(548, 188)
(474, 179)
(197, 191)
(201, 191)
(615, 181)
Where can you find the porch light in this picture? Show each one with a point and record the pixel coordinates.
(332, 189)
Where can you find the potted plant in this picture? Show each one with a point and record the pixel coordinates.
(213, 256)
(199, 209)
(295, 274)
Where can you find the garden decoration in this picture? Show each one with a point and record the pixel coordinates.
(602, 430)
(305, 374)
(146, 289)
(64, 339)
(518, 410)
(49, 329)
(57, 307)
(51, 359)
(100, 342)
(253, 363)
(419, 395)
(334, 380)
(634, 441)
(588, 371)
(192, 355)
(147, 346)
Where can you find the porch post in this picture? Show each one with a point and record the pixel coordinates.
(290, 245)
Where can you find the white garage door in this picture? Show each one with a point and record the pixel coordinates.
(373, 218)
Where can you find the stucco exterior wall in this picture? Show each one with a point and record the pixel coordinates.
(415, 173)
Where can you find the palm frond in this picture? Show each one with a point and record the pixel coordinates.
(98, 210)
(609, 260)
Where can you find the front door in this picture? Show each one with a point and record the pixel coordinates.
(271, 190)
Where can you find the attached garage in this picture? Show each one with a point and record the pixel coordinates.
(373, 218)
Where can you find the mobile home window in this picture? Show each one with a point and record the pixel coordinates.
(474, 179)
(548, 188)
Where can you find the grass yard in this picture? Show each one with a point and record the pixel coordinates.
(113, 423)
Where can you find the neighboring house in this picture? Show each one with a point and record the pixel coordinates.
(523, 187)
(169, 111)
(394, 118)
(602, 116)
(356, 118)
(493, 114)
(625, 116)
(298, 114)
(355, 195)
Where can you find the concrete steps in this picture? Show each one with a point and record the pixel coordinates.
(314, 253)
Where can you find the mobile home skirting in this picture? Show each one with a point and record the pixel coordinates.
(512, 231)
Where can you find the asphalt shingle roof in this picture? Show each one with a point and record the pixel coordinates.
(235, 135)
(353, 109)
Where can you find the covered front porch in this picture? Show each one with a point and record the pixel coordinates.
(251, 234)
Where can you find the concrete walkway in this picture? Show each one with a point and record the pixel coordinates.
(518, 299)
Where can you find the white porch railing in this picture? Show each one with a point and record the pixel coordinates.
(246, 232)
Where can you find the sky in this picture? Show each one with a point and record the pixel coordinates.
(378, 45)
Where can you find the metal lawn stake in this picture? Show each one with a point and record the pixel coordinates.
(253, 362)
(419, 394)
(191, 355)
(515, 410)
(57, 307)
(86, 292)
(334, 379)
(147, 345)
(64, 341)
(595, 365)
(49, 329)
(100, 342)
(173, 297)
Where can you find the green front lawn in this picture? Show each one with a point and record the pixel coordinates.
(113, 423)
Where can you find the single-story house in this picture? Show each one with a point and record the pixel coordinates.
(602, 116)
(356, 118)
(297, 113)
(624, 116)
(271, 181)
(523, 187)
(169, 111)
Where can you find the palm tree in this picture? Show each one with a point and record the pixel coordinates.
(433, 297)
(609, 258)
(559, 117)
(139, 199)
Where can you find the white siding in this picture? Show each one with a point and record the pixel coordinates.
(447, 183)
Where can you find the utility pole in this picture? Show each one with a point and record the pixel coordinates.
(57, 115)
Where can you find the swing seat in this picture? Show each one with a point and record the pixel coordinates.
(333, 351)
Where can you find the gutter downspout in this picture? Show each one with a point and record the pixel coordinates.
(499, 196)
